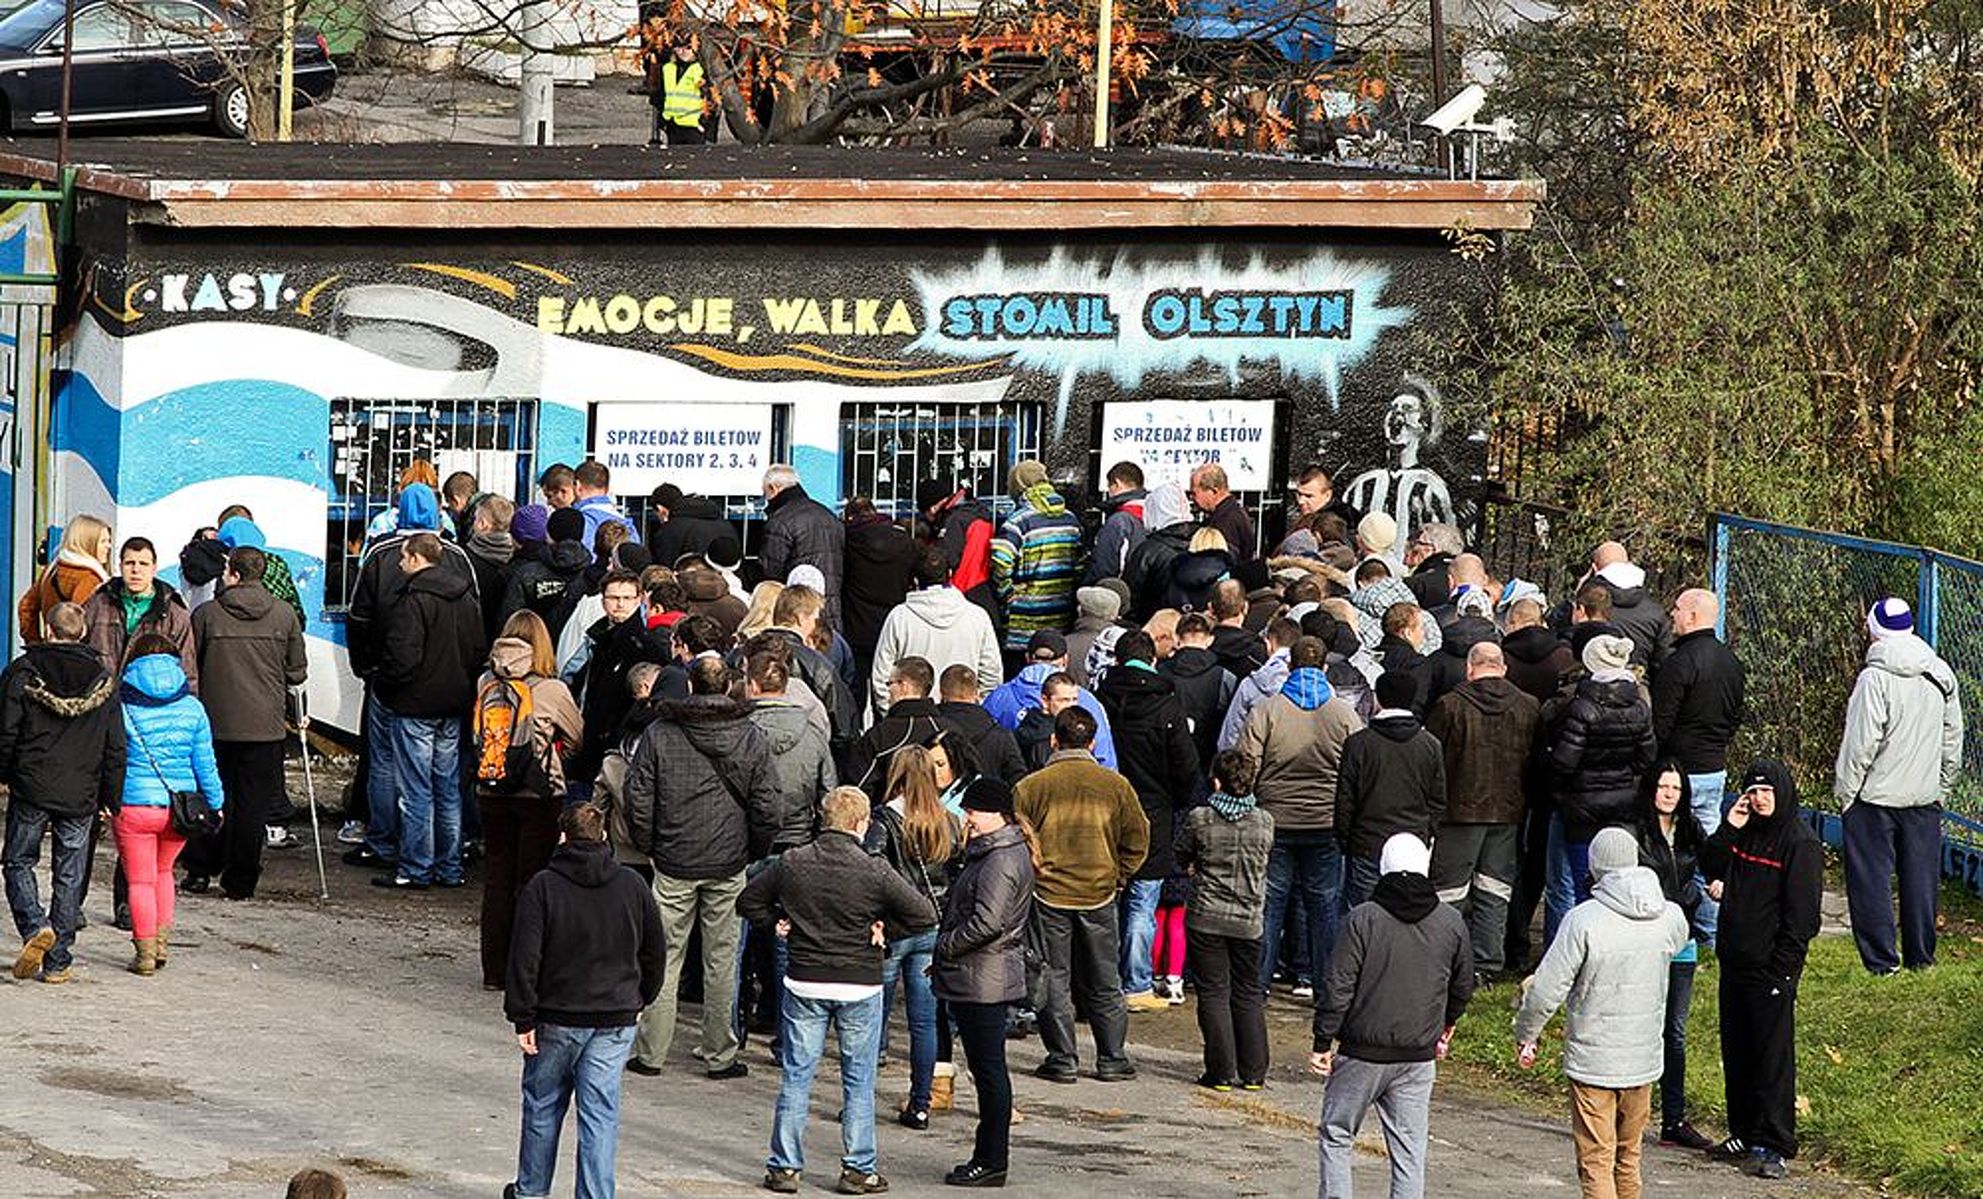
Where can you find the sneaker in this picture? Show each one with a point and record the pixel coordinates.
(56, 976)
(279, 837)
(1684, 1136)
(784, 1182)
(1122, 1073)
(1303, 989)
(911, 1118)
(351, 832)
(362, 855)
(859, 1182)
(733, 1070)
(975, 1174)
(1174, 992)
(28, 964)
(1053, 1073)
(1146, 1001)
(1256, 1084)
(1221, 1085)
(1731, 1150)
(397, 882)
(1765, 1163)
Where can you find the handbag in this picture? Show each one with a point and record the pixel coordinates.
(190, 813)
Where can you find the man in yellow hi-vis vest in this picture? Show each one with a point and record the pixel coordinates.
(678, 99)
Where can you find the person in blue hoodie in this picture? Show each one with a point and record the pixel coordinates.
(1013, 701)
(169, 747)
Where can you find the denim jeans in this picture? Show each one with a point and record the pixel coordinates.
(427, 764)
(802, 1037)
(1577, 864)
(1673, 1075)
(588, 1062)
(1559, 892)
(1709, 792)
(1308, 866)
(68, 866)
(1139, 932)
(1360, 875)
(381, 783)
(908, 964)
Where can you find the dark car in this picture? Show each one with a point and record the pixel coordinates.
(140, 60)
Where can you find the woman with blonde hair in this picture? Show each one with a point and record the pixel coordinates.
(82, 564)
(914, 833)
(1199, 569)
(764, 603)
(525, 722)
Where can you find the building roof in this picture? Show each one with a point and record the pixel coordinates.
(454, 185)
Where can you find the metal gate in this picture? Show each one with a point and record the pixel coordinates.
(373, 441)
(889, 448)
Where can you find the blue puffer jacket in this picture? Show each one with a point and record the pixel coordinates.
(164, 726)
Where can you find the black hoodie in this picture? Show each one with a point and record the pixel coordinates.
(587, 951)
(693, 525)
(1773, 878)
(1392, 780)
(881, 569)
(61, 731)
(540, 583)
(1154, 746)
(1205, 689)
(997, 751)
(432, 649)
(1401, 975)
(1537, 660)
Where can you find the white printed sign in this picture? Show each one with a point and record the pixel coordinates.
(704, 449)
(1167, 438)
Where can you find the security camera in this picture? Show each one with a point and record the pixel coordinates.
(1455, 113)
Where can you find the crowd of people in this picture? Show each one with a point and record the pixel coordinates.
(1008, 770)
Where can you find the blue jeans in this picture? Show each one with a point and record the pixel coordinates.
(1306, 865)
(1577, 861)
(1559, 891)
(1139, 932)
(1361, 881)
(427, 763)
(909, 963)
(1708, 791)
(802, 1039)
(1673, 1072)
(68, 867)
(588, 1062)
(381, 783)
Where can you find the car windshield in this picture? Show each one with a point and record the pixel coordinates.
(26, 24)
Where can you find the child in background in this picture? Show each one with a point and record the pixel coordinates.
(1167, 952)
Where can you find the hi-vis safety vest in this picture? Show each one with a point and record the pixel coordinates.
(681, 91)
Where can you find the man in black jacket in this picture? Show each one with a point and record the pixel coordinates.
(679, 524)
(801, 531)
(429, 658)
(586, 956)
(699, 783)
(541, 583)
(1698, 701)
(1771, 870)
(912, 719)
(1153, 743)
(62, 758)
(1398, 982)
(1392, 780)
(962, 710)
(840, 907)
(251, 654)
(1204, 686)
(617, 641)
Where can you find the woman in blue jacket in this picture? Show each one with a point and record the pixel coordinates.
(169, 746)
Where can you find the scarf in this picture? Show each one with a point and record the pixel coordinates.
(492, 547)
(1232, 807)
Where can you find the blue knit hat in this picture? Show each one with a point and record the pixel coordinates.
(1889, 618)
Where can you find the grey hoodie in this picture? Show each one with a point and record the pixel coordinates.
(1903, 728)
(801, 768)
(940, 626)
(1609, 959)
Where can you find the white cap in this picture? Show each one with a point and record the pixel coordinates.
(1405, 853)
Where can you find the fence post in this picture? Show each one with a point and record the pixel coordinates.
(1930, 599)
(1718, 537)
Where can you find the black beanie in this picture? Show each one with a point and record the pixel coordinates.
(565, 524)
(986, 794)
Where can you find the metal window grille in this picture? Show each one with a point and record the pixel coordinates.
(889, 448)
(746, 512)
(373, 441)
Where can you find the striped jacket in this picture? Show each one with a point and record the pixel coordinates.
(1035, 564)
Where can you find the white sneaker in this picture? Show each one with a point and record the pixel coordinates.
(279, 837)
(1174, 991)
(1303, 990)
(353, 833)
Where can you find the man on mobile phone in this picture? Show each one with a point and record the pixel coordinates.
(1771, 870)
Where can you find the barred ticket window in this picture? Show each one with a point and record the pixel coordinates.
(888, 449)
(373, 441)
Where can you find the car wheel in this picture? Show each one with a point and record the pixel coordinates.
(230, 109)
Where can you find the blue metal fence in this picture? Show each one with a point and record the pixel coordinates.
(1793, 605)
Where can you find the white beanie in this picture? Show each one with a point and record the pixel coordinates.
(1378, 533)
(1405, 853)
(1623, 574)
(1604, 652)
(1889, 618)
(807, 575)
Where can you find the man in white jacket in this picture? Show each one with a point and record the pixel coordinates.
(1609, 960)
(937, 624)
(1900, 755)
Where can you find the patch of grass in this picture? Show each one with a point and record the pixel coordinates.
(1890, 1070)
